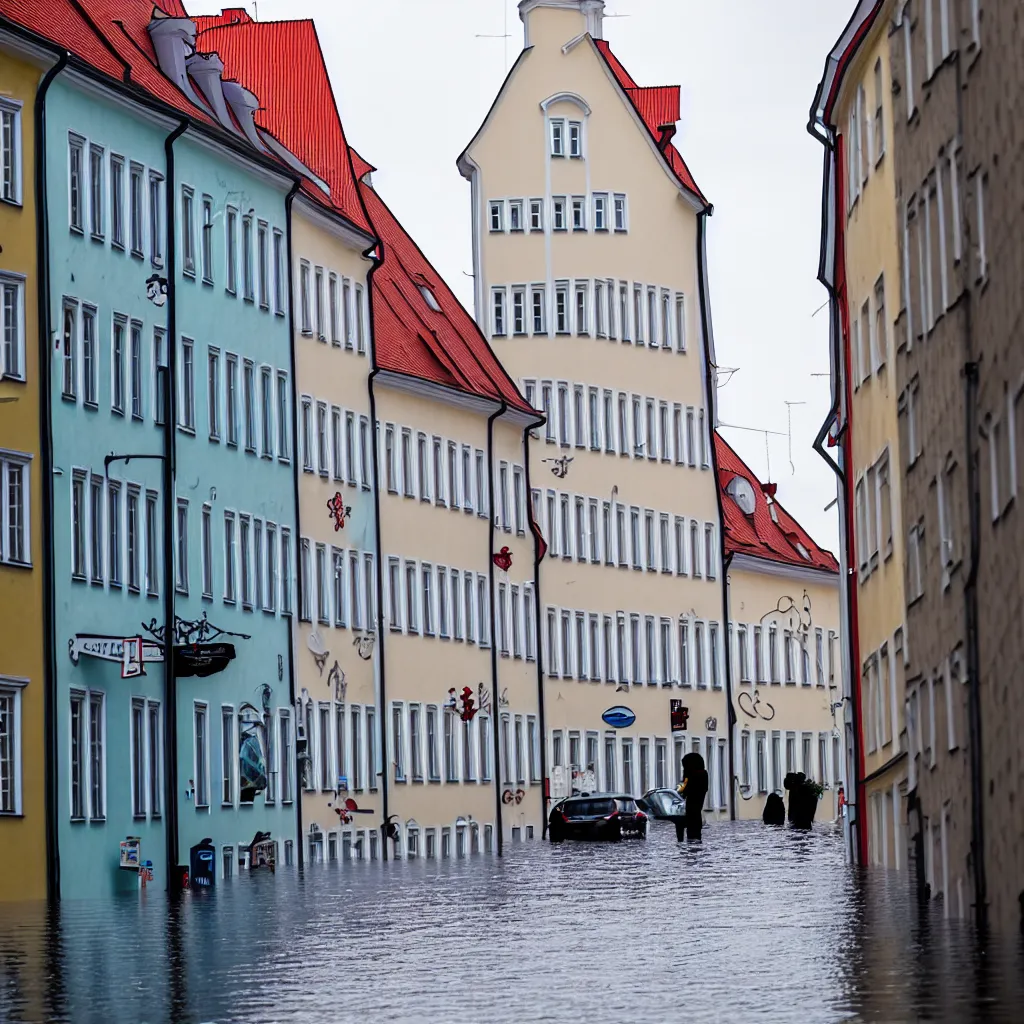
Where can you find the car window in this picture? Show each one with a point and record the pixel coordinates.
(666, 803)
(588, 808)
(627, 805)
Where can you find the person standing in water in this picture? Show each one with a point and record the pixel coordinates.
(694, 790)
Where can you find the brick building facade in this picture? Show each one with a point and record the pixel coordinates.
(960, 380)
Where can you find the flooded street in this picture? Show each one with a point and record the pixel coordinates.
(751, 925)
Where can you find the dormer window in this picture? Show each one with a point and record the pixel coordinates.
(430, 298)
(497, 215)
(558, 138)
(575, 139)
(804, 553)
(742, 492)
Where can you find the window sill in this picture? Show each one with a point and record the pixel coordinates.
(191, 431)
(15, 564)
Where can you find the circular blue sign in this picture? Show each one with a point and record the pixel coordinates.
(619, 717)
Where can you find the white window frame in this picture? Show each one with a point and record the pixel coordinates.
(12, 325)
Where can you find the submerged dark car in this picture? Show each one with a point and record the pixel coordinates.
(662, 804)
(607, 816)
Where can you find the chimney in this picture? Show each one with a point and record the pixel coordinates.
(244, 105)
(174, 39)
(207, 69)
(589, 17)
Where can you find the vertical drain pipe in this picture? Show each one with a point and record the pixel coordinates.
(495, 710)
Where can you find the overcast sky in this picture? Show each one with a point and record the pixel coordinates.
(413, 80)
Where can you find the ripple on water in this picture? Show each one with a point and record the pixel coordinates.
(752, 925)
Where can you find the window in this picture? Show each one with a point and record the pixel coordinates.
(10, 151)
(76, 181)
(206, 242)
(181, 546)
(536, 214)
(90, 359)
(152, 550)
(231, 250)
(135, 209)
(114, 532)
(117, 347)
(263, 264)
(88, 756)
(579, 213)
(557, 130)
(619, 204)
(322, 446)
(451, 766)
(231, 398)
(267, 417)
(558, 221)
(318, 302)
(879, 119)
(575, 139)
(156, 242)
(497, 215)
(96, 529)
(187, 415)
(96, 191)
(12, 327)
(538, 304)
(188, 231)
(600, 211)
(515, 215)
(498, 311)
(213, 392)
(518, 311)
(15, 543)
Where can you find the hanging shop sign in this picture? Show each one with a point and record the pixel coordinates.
(203, 865)
(131, 853)
(619, 717)
(678, 715)
(503, 559)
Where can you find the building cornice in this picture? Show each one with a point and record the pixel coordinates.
(805, 574)
(334, 224)
(26, 49)
(434, 392)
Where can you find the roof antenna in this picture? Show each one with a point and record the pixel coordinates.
(255, 11)
(789, 416)
(504, 35)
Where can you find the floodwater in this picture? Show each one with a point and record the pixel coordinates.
(751, 925)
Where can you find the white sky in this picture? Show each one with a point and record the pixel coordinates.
(413, 82)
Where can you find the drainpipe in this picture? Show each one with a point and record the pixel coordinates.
(295, 492)
(971, 375)
(731, 713)
(376, 253)
(495, 710)
(712, 428)
(170, 393)
(45, 330)
(535, 530)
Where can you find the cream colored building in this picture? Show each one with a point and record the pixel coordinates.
(588, 233)
(855, 110)
(784, 620)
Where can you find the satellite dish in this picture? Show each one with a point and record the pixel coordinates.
(742, 492)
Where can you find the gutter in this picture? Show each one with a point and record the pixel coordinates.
(44, 328)
(495, 709)
(711, 426)
(295, 490)
(170, 392)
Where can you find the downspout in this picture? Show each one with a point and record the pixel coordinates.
(495, 710)
(535, 530)
(712, 428)
(377, 254)
(731, 716)
(840, 379)
(45, 329)
(170, 393)
(971, 375)
(295, 490)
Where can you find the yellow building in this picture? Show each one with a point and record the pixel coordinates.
(783, 594)
(854, 116)
(23, 847)
(587, 230)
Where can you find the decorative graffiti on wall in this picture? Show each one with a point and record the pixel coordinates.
(462, 704)
(156, 290)
(508, 797)
(711, 723)
(339, 511)
(503, 559)
(752, 705)
(347, 809)
(336, 682)
(794, 617)
(560, 466)
(678, 715)
(253, 742)
(316, 647)
(363, 642)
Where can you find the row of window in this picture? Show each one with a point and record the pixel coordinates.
(596, 530)
(882, 675)
(343, 582)
(15, 521)
(645, 315)
(759, 658)
(633, 648)
(276, 743)
(598, 211)
(619, 423)
(412, 842)
(869, 336)
(130, 208)
(866, 136)
(760, 766)
(346, 316)
(940, 695)
(336, 443)
(873, 510)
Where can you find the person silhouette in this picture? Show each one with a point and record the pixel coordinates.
(694, 790)
(774, 810)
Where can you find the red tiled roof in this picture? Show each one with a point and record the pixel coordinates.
(411, 338)
(759, 535)
(281, 62)
(653, 104)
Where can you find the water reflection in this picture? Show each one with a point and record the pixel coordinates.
(751, 925)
